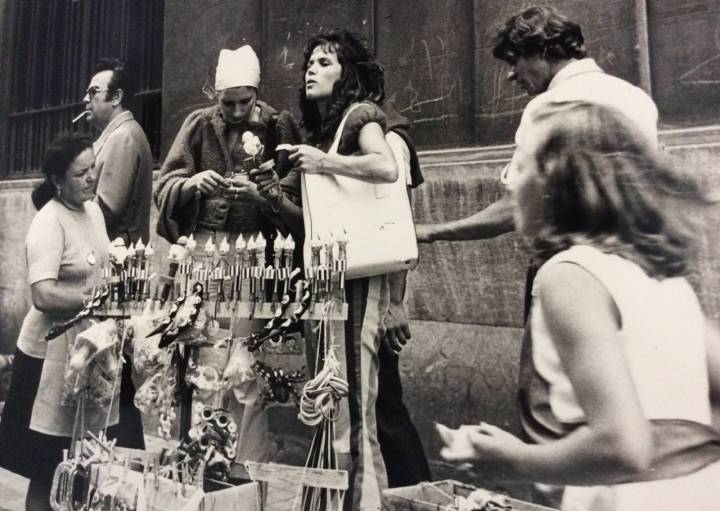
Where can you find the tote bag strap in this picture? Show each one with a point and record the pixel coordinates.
(338, 134)
(315, 189)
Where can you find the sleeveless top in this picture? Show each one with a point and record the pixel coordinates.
(663, 332)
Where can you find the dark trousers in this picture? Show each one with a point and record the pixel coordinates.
(130, 428)
(400, 444)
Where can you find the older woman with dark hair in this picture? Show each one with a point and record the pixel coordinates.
(342, 79)
(66, 248)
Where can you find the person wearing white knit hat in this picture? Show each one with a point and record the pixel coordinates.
(237, 78)
(237, 68)
(203, 189)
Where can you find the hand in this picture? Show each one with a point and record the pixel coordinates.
(396, 329)
(206, 182)
(87, 295)
(310, 160)
(267, 181)
(490, 449)
(244, 191)
(424, 233)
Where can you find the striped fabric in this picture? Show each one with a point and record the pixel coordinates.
(356, 440)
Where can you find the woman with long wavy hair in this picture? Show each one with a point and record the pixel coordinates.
(342, 79)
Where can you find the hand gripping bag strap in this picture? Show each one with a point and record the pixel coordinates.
(377, 218)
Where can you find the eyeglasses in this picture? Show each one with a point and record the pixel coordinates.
(91, 91)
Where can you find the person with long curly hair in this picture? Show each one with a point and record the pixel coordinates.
(342, 80)
(631, 364)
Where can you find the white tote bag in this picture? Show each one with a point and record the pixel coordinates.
(377, 218)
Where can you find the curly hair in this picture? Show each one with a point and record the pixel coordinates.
(362, 79)
(121, 78)
(539, 31)
(59, 155)
(606, 186)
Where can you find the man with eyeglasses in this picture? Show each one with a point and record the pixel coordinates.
(124, 166)
(122, 153)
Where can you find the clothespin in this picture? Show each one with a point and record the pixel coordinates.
(289, 250)
(149, 253)
(252, 249)
(342, 242)
(189, 263)
(261, 243)
(208, 265)
(315, 249)
(278, 248)
(329, 242)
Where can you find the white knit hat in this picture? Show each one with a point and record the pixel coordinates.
(237, 68)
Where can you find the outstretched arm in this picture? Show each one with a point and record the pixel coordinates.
(494, 220)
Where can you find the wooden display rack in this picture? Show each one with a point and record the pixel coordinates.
(217, 310)
(225, 310)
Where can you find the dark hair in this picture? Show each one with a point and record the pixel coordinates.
(121, 78)
(362, 79)
(59, 155)
(539, 31)
(605, 185)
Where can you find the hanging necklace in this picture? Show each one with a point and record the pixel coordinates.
(62, 201)
(91, 258)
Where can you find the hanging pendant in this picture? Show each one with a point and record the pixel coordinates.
(91, 258)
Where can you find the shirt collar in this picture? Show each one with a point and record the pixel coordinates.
(112, 126)
(575, 68)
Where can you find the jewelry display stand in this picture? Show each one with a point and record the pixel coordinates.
(185, 310)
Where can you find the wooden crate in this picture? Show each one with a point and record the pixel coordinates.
(440, 496)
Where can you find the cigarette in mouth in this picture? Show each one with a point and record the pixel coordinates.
(79, 116)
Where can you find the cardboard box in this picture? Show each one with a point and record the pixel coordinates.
(245, 497)
(119, 488)
(442, 496)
